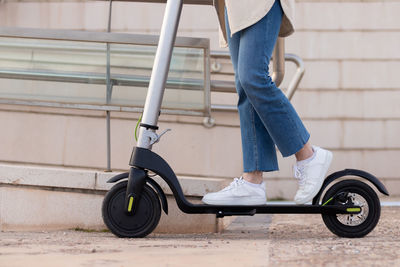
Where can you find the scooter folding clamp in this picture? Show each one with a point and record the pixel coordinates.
(154, 137)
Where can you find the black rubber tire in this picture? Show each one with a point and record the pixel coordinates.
(374, 206)
(142, 223)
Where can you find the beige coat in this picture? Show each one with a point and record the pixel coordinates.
(244, 13)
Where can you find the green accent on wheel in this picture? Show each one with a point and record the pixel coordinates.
(130, 204)
(329, 200)
(353, 209)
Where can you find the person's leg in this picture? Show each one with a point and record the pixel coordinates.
(304, 153)
(272, 106)
(274, 109)
(276, 112)
(258, 148)
(261, 101)
(259, 153)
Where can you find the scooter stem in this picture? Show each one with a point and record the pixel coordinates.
(160, 70)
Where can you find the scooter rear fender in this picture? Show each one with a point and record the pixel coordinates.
(350, 172)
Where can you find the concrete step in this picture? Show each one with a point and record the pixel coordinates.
(49, 198)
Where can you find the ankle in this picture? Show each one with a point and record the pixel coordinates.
(305, 153)
(253, 177)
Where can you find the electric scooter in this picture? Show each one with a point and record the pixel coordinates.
(132, 207)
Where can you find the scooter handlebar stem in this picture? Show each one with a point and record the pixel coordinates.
(160, 70)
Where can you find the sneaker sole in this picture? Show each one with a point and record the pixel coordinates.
(329, 157)
(237, 202)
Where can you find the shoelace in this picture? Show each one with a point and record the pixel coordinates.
(236, 182)
(299, 174)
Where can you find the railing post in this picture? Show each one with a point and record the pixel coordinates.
(208, 120)
(278, 61)
(108, 94)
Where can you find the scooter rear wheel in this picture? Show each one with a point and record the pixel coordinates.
(352, 225)
(142, 223)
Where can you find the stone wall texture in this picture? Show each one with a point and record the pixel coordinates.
(349, 97)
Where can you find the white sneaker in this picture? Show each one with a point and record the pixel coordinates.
(311, 175)
(239, 192)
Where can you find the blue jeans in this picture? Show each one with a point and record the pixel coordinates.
(267, 118)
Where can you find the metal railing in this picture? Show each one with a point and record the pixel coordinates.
(110, 80)
(229, 86)
(97, 77)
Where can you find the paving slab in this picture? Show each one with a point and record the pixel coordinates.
(262, 240)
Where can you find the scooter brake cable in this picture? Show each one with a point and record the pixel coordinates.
(137, 126)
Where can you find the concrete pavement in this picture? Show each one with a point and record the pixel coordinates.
(262, 240)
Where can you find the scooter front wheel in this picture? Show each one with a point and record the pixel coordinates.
(352, 192)
(140, 224)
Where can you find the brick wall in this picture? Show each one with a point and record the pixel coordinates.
(349, 98)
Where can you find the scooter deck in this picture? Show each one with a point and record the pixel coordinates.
(144, 159)
(230, 210)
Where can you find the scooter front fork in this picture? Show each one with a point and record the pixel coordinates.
(136, 181)
(151, 112)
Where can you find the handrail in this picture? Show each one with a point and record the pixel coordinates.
(96, 78)
(229, 86)
(186, 2)
(298, 76)
(98, 37)
(278, 65)
(216, 86)
(278, 62)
